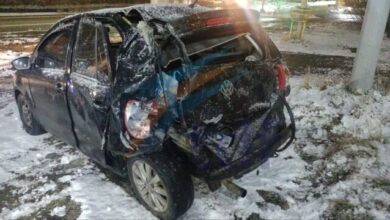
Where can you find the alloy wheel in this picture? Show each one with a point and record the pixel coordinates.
(26, 113)
(150, 186)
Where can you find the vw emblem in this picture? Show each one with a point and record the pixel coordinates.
(227, 89)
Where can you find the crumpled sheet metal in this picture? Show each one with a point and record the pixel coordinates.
(139, 77)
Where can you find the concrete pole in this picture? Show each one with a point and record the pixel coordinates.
(371, 38)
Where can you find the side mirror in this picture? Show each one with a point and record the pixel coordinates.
(21, 63)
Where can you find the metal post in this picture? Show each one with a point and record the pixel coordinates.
(371, 39)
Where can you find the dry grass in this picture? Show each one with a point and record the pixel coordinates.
(344, 210)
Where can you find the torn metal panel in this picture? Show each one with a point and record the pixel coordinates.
(135, 79)
(231, 92)
(198, 93)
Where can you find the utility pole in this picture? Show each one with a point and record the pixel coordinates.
(371, 38)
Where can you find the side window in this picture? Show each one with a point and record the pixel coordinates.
(84, 57)
(90, 56)
(52, 53)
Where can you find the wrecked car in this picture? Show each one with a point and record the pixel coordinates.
(161, 93)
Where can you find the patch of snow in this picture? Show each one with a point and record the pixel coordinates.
(7, 56)
(5, 175)
(66, 159)
(65, 179)
(19, 41)
(5, 62)
(334, 39)
(165, 12)
(170, 12)
(147, 33)
(273, 7)
(59, 211)
(97, 195)
(214, 120)
(320, 40)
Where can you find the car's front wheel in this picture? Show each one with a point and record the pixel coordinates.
(161, 185)
(30, 124)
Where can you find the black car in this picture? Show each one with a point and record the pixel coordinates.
(160, 93)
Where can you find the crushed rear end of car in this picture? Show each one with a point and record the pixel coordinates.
(213, 85)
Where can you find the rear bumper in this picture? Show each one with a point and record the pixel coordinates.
(279, 142)
(253, 160)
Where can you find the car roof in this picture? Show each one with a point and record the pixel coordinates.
(164, 12)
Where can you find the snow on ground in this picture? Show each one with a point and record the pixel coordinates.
(22, 40)
(5, 58)
(274, 7)
(330, 39)
(327, 39)
(39, 176)
(337, 166)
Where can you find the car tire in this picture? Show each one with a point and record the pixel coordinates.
(165, 180)
(30, 124)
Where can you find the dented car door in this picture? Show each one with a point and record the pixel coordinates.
(89, 87)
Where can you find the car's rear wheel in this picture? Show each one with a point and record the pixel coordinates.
(161, 185)
(30, 124)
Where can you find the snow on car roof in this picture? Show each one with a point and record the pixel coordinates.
(165, 12)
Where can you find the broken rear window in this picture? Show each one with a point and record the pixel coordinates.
(226, 49)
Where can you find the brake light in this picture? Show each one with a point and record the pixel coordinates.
(138, 118)
(282, 77)
(217, 21)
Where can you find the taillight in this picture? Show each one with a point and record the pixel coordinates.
(282, 77)
(139, 117)
(217, 21)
